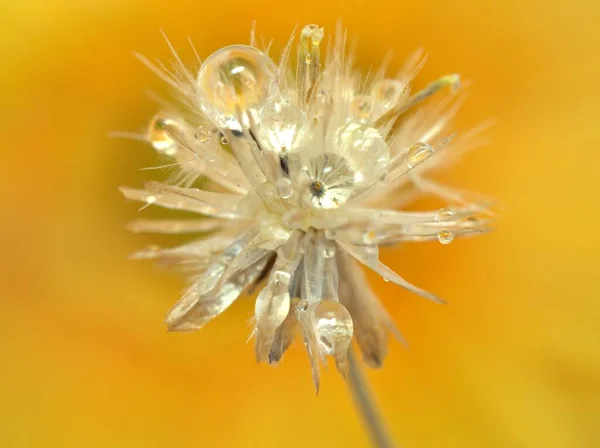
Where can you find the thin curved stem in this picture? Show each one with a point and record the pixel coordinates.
(366, 405)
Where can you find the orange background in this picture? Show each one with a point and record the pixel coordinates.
(513, 361)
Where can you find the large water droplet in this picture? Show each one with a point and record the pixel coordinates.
(281, 125)
(330, 183)
(445, 236)
(334, 327)
(232, 79)
(366, 152)
(418, 153)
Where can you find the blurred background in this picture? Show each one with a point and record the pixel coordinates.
(513, 361)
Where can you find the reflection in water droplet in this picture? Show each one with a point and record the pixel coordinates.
(330, 182)
(445, 236)
(418, 153)
(234, 78)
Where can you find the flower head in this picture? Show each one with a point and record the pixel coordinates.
(302, 171)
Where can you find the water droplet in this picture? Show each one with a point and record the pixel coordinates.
(150, 200)
(308, 58)
(234, 78)
(445, 236)
(314, 33)
(284, 188)
(470, 222)
(224, 141)
(367, 154)
(281, 126)
(388, 93)
(334, 327)
(329, 249)
(330, 188)
(302, 305)
(385, 279)
(362, 106)
(418, 153)
(444, 214)
(160, 131)
(203, 135)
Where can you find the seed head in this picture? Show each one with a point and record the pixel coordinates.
(302, 174)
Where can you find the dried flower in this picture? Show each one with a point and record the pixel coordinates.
(301, 174)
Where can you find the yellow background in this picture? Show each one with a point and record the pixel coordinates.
(513, 361)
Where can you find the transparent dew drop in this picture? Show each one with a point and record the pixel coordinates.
(284, 188)
(203, 135)
(334, 328)
(314, 33)
(262, 301)
(445, 236)
(387, 93)
(418, 153)
(366, 154)
(444, 214)
(470, 222)
(281, 126)
(321, 106)
(362, 107)
(159, 134)
(329, 249)
(302, 305)
(232, 79)
(330, 181)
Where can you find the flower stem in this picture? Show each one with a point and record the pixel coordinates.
(366, 405)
